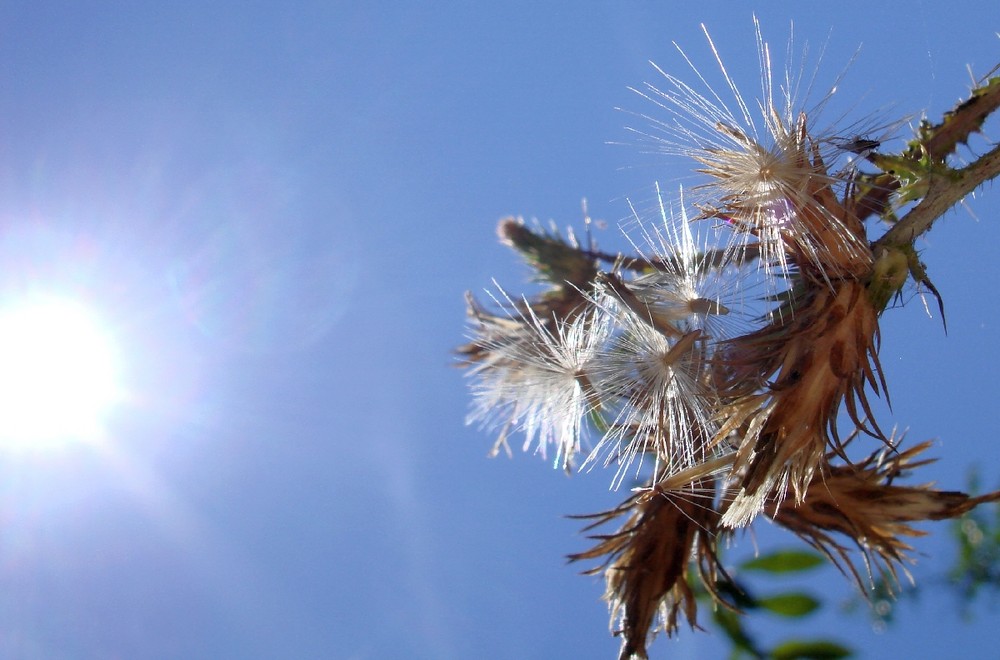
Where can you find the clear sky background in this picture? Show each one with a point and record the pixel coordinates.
(276, 207)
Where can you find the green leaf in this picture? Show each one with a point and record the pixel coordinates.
(818, 649)
(785, 561)
(791, 605)
(731, 624)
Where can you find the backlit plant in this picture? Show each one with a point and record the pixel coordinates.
(712, 367)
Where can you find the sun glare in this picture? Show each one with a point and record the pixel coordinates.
(58, 374)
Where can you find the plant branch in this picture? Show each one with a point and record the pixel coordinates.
(943, 192)
(922, 170)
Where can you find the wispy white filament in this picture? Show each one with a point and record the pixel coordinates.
(662, 408)
(764, 160)
(537, 379)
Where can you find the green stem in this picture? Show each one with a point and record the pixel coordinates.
(943, 192)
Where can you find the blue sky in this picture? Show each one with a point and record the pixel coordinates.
(277, 208)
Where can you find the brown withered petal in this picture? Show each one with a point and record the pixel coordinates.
(647, 562)
(822, 353)
(557, 260)
(859, 501)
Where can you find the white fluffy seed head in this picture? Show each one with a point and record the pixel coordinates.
(700, 280)
(661, 408)
(765, 164)
(536, 378)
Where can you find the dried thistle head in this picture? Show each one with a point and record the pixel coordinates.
(772, 176)
(860, 503)
(532, 375)
(657, 377)
(812, 361)
(656, 400)
(648, 563)
(695, 277)
(785, 198)
(559, 261)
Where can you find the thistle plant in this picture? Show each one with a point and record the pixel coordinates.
(714, 366)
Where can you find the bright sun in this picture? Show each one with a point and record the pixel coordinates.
(58, 374)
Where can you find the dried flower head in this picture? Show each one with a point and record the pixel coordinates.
(860, 503)
(648, 562)
(656, 374)
(784, 387)
(533, 375)
(769, 171)
(695, 276)
(660, 407)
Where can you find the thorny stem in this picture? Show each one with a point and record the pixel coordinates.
(945, 186)
(943, 192)
(968, 116)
